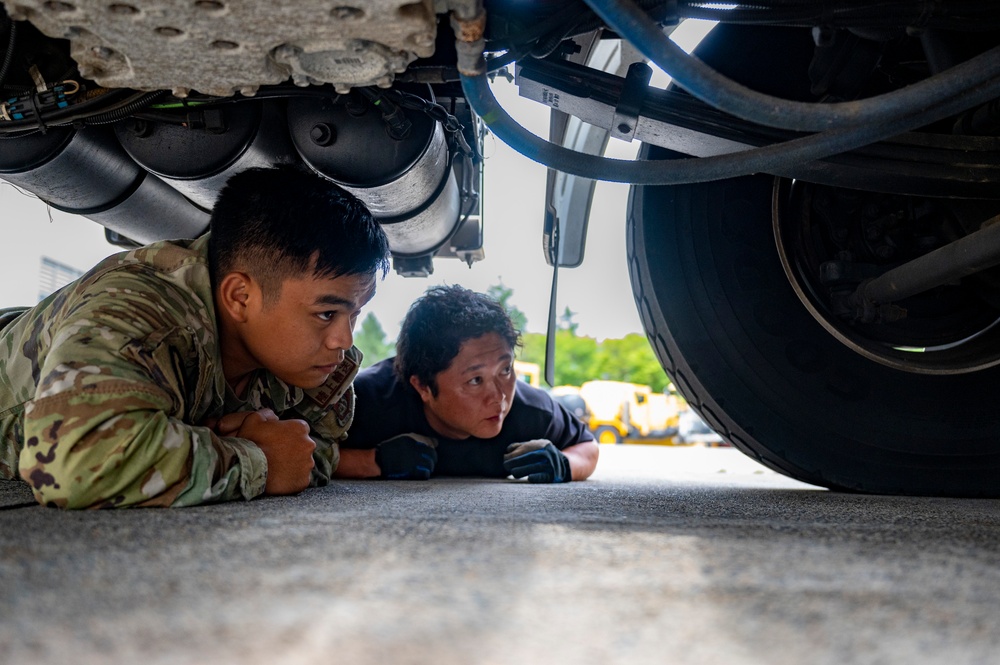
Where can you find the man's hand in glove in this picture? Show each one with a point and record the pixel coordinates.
(539, 460)
(406, 457)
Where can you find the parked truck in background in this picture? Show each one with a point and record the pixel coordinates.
(621, 411)
(569, 397)
(528, 372)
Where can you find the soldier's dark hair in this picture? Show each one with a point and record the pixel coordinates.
(276, 223)
(438, 323)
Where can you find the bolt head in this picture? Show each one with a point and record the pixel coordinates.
(323, 134)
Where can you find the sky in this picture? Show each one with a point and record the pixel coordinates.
(513, 200)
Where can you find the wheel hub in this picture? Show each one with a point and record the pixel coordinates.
(831, 240)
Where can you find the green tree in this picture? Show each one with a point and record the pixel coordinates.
(372, 341)
(502, 294)
(580, 359)
(566, 321)
(575, 356)
(630, 359)
(532, 348)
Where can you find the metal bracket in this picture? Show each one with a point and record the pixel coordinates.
(911, 164)
(633, 94)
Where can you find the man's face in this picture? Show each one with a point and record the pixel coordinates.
(301, 337)
(474, 392)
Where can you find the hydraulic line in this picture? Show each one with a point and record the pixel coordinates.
(125, 110)
(9, 55)
(970, 15)
(79, 113)
(726, 95)
(683, 171)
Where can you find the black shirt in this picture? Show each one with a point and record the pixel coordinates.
(386, 407)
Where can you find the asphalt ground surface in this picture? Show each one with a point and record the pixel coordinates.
(667, 555)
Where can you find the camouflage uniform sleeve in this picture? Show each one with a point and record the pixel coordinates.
(329, 410)
(107, 425)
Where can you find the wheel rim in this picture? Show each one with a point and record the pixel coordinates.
(952, 329)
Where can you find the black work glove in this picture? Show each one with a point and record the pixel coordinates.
(539, 460)
(407, 457)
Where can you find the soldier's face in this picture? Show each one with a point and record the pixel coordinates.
(475, 392)
(302, 337)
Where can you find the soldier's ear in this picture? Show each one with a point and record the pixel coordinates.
(233, 295)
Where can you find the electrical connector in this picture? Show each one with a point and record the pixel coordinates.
(30, 106)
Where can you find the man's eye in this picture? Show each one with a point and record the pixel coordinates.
(326, 316)
(508, 369)
(475, 381)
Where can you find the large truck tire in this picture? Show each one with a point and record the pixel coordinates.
(740, 345)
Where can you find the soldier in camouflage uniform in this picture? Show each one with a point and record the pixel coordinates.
(190, 372)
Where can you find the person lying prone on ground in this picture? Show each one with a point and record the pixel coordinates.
(190, 372)
(450, 404)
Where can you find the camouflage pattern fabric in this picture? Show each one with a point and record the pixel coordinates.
(105, 387)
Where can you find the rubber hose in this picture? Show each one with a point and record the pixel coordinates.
(9, 56)
(709, 86)
(766, 159)
(805, 17)
(124, 111)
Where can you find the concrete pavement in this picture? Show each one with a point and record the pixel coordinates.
(667, 555)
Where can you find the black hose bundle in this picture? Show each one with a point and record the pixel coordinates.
(971, 15)
(767, 159)
(634, 25)
(128, 108)
(8, 58)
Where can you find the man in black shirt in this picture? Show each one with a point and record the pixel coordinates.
(450, 403)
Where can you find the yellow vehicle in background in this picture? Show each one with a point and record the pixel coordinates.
(530, 373)
(621, 411)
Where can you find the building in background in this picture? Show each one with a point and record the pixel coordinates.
(54, 275)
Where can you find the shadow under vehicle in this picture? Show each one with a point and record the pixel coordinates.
(811, 228)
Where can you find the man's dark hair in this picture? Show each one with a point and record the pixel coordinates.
(438, 323)
(276, 223)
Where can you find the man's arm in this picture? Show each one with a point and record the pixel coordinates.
(570, 435)
(540, 461)
(106, 426)
(566, 451)
(357, 463)
(286, 444)
(379, 432)
(404, 457)
(582, 459)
